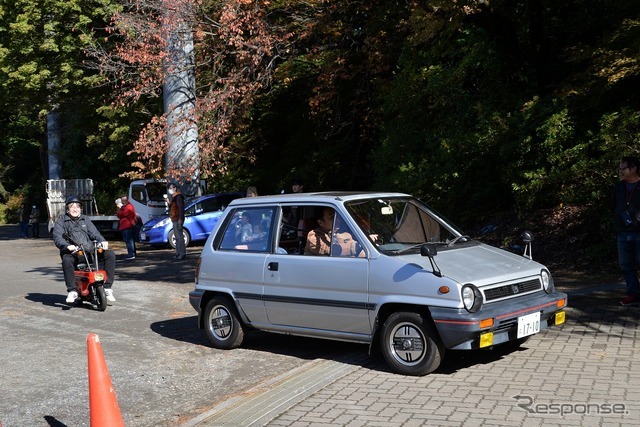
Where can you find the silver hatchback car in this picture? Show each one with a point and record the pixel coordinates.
(374, 268)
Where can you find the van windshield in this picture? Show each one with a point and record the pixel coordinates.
(156, 191)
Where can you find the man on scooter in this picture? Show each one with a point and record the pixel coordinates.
(72, 230)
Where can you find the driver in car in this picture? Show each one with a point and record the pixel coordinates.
(73, 230)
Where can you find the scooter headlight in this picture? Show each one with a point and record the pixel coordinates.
(98, 277)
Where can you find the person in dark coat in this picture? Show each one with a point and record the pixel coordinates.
(626, 218)
(73, 230)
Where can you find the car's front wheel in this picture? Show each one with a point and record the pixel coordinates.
(410, 345)
(222, 324)
(172, 238)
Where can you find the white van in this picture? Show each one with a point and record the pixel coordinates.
(147, 197)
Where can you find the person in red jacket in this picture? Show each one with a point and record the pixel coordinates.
(127, 215)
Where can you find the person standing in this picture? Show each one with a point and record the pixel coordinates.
(626, 208)
(23, 220)
(252, 191)
(297, 185)
(127, 216)
(176, 213)
(34, 221)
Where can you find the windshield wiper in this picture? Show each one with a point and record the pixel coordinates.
(454, 241)
(410, 248)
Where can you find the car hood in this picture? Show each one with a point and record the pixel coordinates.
(478, 264)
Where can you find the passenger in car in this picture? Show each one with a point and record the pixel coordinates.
(319, 240)
(244, 231)
(347, 247)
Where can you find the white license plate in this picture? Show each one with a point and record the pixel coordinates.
(529, 324)
(143, 236)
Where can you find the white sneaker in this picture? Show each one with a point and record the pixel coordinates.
(72, 297)
(109, 294)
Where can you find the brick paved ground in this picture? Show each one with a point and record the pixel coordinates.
(585, 373)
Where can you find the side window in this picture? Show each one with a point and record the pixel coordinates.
(325, 233)
(193, 209)
(344, 243)
(249, 229)
(210, 205)
(296, 223)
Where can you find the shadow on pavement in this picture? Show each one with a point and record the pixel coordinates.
(53, 422)
(51, 300)
(184, 329)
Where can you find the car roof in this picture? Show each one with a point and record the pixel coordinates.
(319, 197)
(195, 199)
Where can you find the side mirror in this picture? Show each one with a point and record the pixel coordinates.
(429, 250)
(527, 238)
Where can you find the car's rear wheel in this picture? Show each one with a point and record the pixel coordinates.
(172, 238)
(222, 324)
(410, 345)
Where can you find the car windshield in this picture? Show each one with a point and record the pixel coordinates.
(401, 225)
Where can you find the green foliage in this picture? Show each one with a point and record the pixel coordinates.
(42, 69)
(477, 108)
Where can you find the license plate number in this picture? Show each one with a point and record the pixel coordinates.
(529, 324)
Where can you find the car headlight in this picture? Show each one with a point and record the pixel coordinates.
(471, 298)
(547, 281)
(162, 223)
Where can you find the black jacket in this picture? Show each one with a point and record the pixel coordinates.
(68, 231)
(626, 201)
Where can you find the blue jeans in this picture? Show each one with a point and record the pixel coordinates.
(127, 237)
(629, 259)
(23, 229)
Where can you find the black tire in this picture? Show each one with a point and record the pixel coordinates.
(172, 238)
(222, 324)
(410, 345)
(100, 297)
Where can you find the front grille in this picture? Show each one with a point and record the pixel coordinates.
(511, 289)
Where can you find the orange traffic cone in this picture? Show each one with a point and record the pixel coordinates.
(103, 406)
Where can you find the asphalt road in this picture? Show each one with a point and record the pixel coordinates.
(162, 369)
(165, 374)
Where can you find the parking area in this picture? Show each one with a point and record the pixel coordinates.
(586, 372)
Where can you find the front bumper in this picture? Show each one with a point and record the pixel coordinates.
(153, 237)
(461, 330)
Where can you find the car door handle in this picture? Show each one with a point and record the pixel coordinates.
(272, 266)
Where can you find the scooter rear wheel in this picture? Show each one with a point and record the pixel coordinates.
(101, 298)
